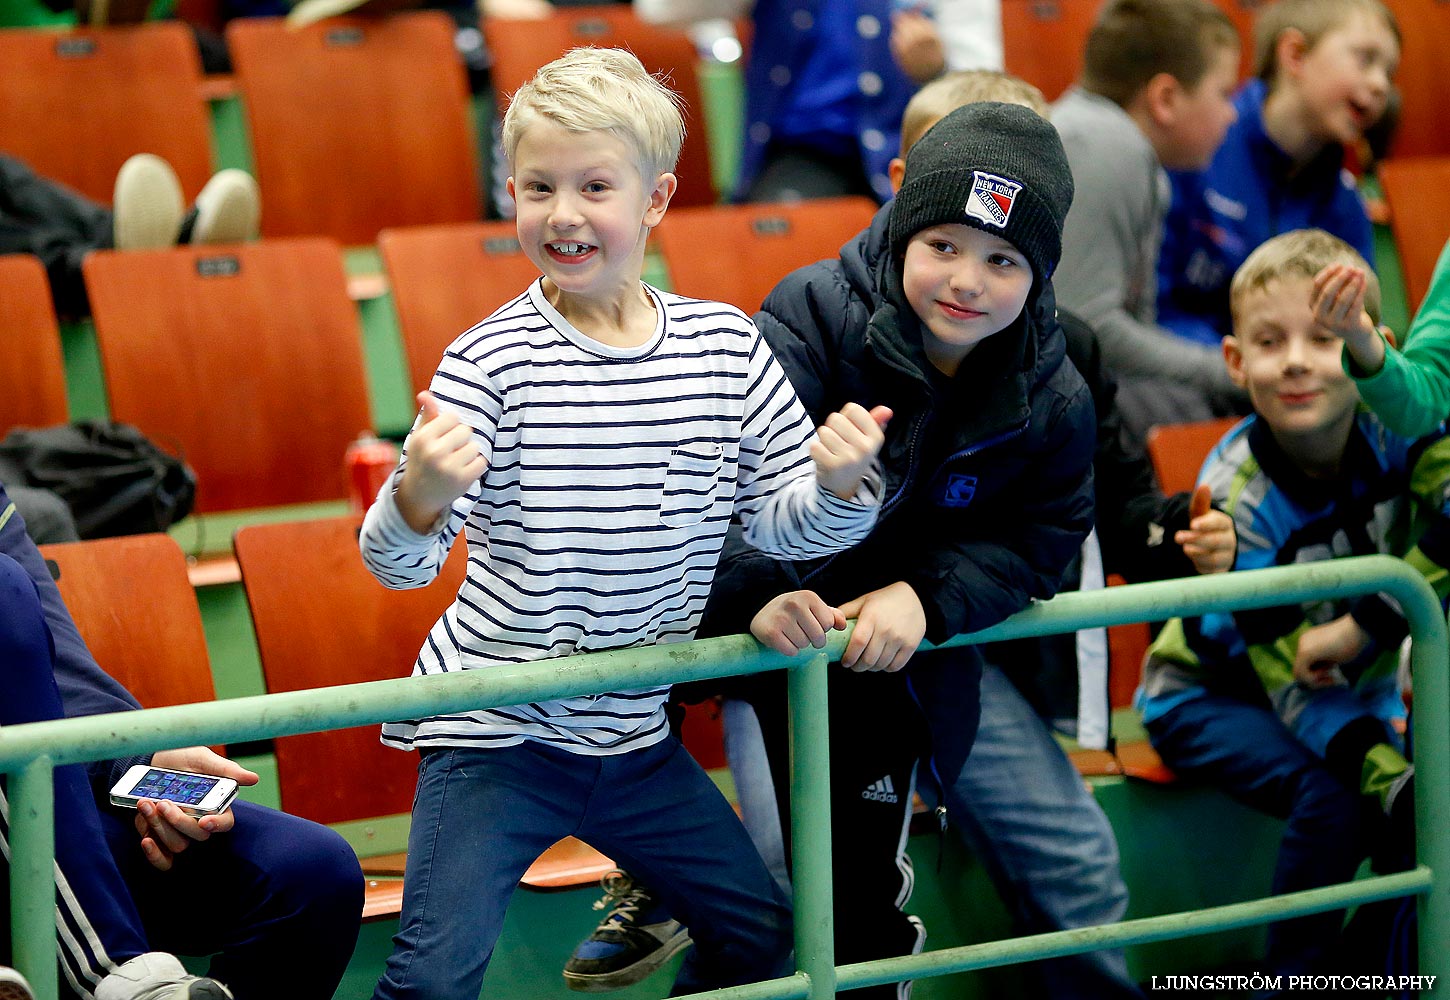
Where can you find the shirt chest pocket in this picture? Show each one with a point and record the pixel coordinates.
(692, 481)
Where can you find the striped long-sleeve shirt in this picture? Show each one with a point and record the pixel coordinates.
(612, 476)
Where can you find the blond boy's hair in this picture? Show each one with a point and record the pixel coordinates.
(1133, 41)
(1300, 253)
(950, 91)
(1313, 19)
(602, 90)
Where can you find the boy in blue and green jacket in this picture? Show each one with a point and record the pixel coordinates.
(1295, 710)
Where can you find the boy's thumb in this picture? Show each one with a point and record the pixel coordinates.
(1199, 505)
(882, 416)
(427, 405)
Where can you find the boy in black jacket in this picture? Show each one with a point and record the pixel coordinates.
(942, 309)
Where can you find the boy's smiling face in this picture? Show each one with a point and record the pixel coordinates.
(584, 211)
(1345, 78)
(964, 285)
(1290, 366)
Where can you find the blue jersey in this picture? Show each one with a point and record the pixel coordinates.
(1249, 193)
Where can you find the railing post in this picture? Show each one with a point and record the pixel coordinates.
(810, 826)
(32, 874)
(1431, 720)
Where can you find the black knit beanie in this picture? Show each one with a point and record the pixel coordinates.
(997, 167)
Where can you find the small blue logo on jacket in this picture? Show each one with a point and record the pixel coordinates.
(959, 490)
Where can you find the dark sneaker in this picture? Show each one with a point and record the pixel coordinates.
(158, 976)
(635, 939)
(13, 985)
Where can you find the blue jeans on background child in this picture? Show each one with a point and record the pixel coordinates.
(1247, 751)
(1026, 814)
(482, 816)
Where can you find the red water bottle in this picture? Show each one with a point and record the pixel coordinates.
(369, 462)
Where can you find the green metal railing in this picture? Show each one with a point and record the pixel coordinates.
(29, 753)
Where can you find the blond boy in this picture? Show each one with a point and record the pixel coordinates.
(592, 439)
(1294, 710)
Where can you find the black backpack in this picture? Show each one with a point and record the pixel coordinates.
(115, 480)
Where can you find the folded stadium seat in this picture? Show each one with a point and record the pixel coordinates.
(519, 47)
(32, 372)
(1042, 41)
(1417, 190)
(447, 278)
(302, 578)
(246, 360)
(1177, 451)
(357, 124)
(76, 105)
(1424, 67)
(136, 610)
(738, 253)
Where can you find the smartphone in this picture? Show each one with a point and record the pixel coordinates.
(195, 794)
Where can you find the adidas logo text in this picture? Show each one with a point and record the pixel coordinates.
(881, 791)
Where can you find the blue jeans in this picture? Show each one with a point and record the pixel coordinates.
(482, 816)
(1247, 751)
(1023, 810)
(755, 786)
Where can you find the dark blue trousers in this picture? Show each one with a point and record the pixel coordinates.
(1248, 752)
(482, 816)
(277, 901)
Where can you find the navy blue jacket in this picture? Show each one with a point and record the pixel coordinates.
(1249, 193)
(987, 477)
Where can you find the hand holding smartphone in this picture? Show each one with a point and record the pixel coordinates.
(194, 794)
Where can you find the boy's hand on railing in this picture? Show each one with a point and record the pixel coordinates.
(846, 446)
(1323, 649)
(890, 624)
(443, 462)
(794, 621)
(1210, 539)
(165, 830)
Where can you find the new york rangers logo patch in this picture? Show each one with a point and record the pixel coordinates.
(991, 198)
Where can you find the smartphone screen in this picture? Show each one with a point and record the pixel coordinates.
(174, 786)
